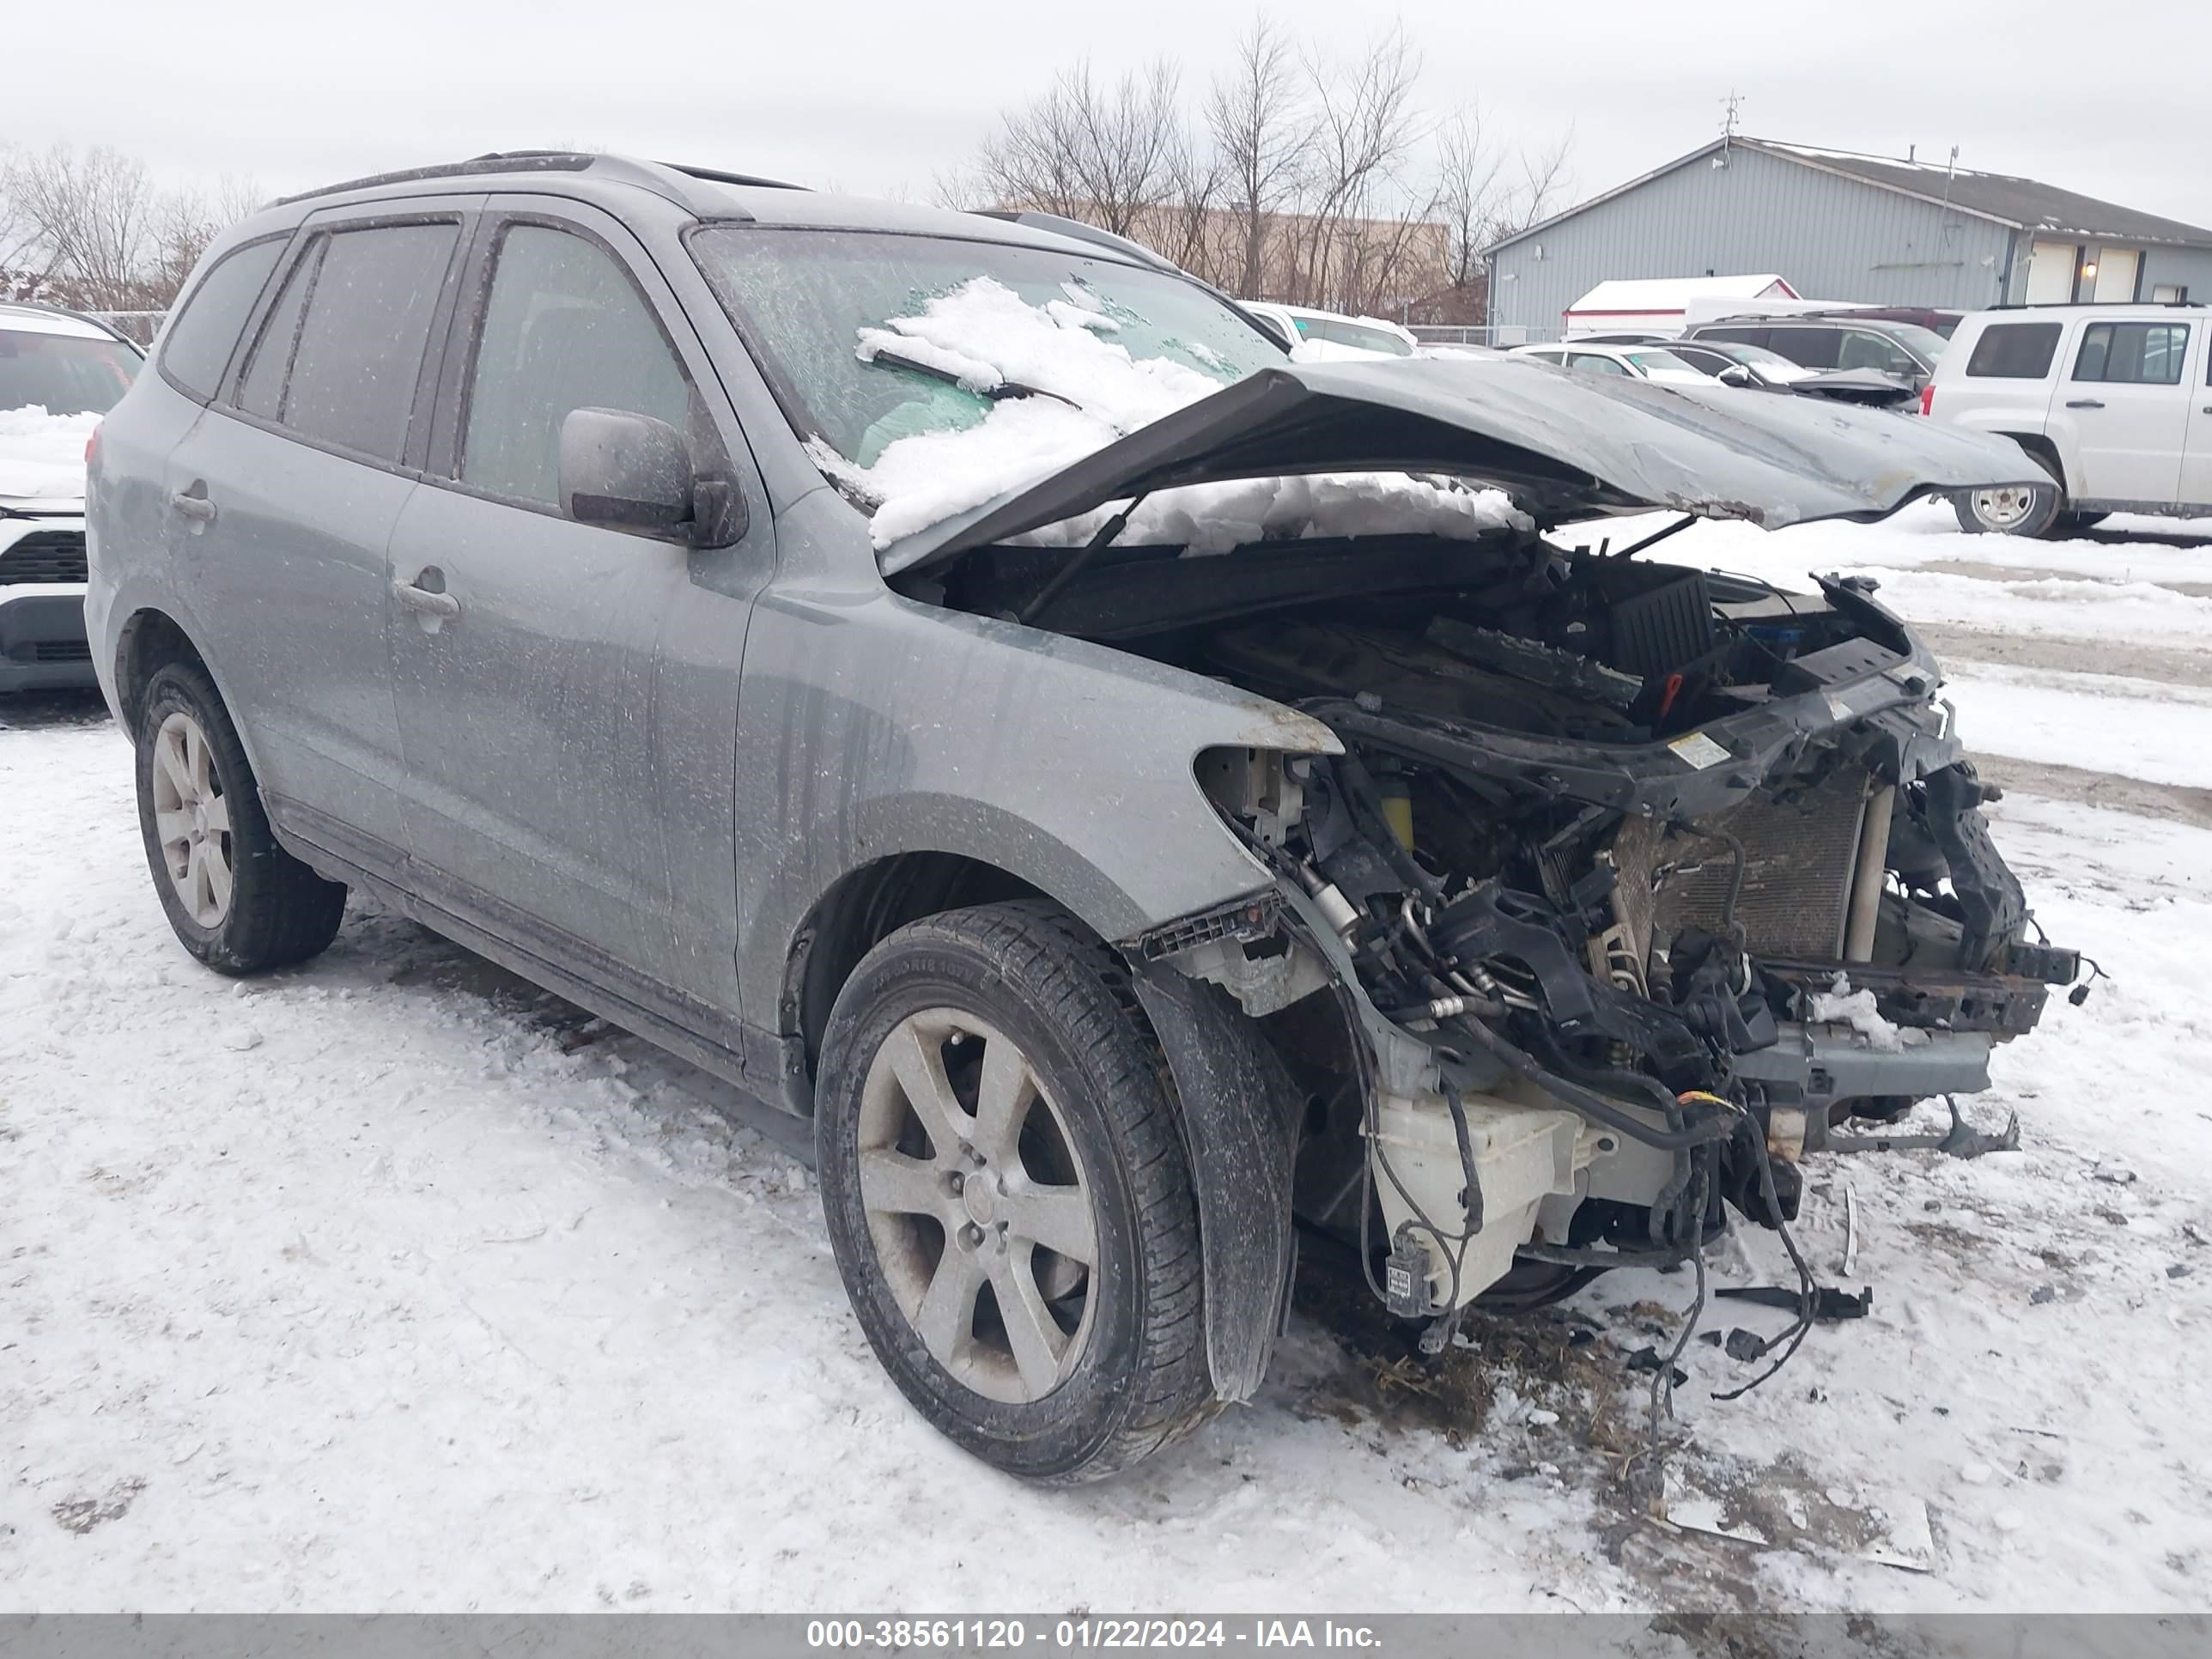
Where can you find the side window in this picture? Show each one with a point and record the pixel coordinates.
(196, 346)
(359, 351)
(1590, 363)
(1757, 336)
(564, 329)
(1813, 348)
(2014, 351)
(261, 389)
(2148, 354)
(1861, 349)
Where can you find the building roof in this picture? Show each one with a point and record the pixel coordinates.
(2022, 204)
(1666, 295)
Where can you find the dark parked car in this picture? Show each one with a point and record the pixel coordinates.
(528, 543)
(1905, 350)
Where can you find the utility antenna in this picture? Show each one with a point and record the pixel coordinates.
(1734, 102)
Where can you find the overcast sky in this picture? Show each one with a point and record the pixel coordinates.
(2109, 99)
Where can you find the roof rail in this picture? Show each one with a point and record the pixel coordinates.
(662, 177)
(1083, 233)
(2087, 305)
(519, 161)
(719, 177)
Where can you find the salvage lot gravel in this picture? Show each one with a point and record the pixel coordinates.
(391, 1283)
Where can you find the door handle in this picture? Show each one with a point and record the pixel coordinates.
(2083, 403)
(442, 606)
(193, 507)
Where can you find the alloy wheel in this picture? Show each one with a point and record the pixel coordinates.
(979, 1209)
(192, 819)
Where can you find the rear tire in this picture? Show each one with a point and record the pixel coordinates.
(990, 1089)
(2017, 510)
(234, 898)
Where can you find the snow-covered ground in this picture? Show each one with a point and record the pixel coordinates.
(390, 1283)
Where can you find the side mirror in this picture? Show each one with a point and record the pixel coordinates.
(1736, 374)
(625, 470)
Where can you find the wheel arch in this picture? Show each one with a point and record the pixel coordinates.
(2038, 445)
(1238, 1112)
(149, 640)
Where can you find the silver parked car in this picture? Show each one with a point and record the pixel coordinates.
(773, 621)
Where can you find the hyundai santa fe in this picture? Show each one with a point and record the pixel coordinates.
(1137, 795)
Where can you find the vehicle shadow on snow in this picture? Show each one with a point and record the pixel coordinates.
(37, 711)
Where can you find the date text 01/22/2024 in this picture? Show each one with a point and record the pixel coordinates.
(1072, 1635)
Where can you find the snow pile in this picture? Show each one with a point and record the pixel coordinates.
(1842, 1006)
(1084, 390)
(42, 455)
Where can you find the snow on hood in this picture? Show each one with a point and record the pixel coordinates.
(1086, 391)
(42, 455)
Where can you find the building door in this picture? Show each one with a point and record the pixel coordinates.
(2116, 276)
(2051, 271)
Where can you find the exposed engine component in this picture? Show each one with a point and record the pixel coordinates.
(1629, 881)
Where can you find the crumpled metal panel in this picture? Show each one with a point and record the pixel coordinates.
(1564, 444)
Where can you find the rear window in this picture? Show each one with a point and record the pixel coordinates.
(196, 346)
(62, 373)
(352, 372)
(2148, 354)
(2015, 351)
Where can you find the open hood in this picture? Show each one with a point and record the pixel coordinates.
(1563, 445)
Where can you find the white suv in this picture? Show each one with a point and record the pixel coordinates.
(2115, 401)
(59, 373)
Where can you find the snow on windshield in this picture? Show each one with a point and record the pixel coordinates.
(42, 455)
(1059, 386)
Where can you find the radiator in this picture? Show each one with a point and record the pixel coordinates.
(1800, 853)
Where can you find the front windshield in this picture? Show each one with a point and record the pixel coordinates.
(871, 337)
(928, 375)
(64, 374)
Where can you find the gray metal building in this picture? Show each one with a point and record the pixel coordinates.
(1839, 226)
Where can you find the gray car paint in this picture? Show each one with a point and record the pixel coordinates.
(744, 728)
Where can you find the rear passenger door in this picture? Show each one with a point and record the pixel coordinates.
(285, 494)
(2197, 456)
(542, 794)
(2126, 400)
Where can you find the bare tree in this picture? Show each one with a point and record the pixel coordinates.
(1262, 135)
(1365, 134)
(1106, 154)
(94, 217)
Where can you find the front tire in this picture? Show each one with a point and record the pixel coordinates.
(2012, 510)
(1006, 1191)
(234, 898)
(2015, 509)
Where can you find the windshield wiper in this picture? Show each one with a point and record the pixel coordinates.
(1004, 389)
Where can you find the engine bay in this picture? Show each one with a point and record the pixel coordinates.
(1668, 870)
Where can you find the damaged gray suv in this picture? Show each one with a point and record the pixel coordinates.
(1137, 795)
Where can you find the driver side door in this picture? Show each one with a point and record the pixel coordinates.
(527, 648)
